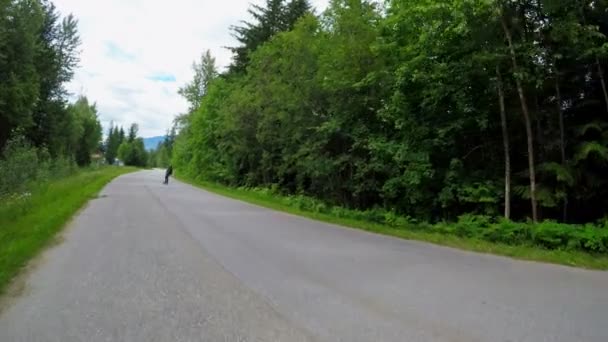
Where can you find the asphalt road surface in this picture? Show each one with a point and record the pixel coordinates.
(149, 262)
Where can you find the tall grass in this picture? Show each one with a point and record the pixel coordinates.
(38, 195)
(30, 218)
(24, 167)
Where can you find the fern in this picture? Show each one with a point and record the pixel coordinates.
(591, 147)
(546, 197)
(560, 172)
(594, 125)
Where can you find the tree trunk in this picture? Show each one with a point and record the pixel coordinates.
(562, 138)
(505, 142)
(540, 151)
(526, 114)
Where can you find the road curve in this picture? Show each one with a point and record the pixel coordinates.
(148, 262)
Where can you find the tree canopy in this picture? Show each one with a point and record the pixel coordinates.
(39, 50)
(430, 108)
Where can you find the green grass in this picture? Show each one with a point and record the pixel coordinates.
(524, 252)
(28, 224)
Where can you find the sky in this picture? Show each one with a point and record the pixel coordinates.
(135, 54)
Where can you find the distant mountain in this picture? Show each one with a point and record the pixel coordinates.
(152, 142)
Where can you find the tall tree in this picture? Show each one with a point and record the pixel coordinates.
(57, 56)
(204, 72)
(131, 150)
(505, 141)
(133, 130)
(517, 75)
(116, 136)
(404, 107)
(111, 144)
(90, 130)
(594, 50)
(19, 90)
(274, 17)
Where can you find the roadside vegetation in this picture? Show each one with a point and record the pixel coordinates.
(480, 124)
(128, 148)
(51, 149)
(30, 219)
(549, 241)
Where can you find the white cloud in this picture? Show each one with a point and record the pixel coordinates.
(133, 49)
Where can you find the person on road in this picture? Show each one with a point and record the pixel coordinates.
(168, 173)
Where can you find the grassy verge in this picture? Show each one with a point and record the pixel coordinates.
(524, 252)
(29, 222)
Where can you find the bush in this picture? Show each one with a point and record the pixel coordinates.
(391, 218)
(22, 167)
(62, 167)
(553, 235)
(338, 212)
(19, 166)
(321, 208)
(375, 215)
(469, 225)
(547, 234)
(592, 239)
(506, 231)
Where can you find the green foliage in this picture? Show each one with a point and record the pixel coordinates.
(18, 167)
(133, 153)
(560, 172)
(274, 17)
(39, 53)
(547, 234)
(24, 167)
(505, 231)
(595, 126)
(204, 73)
(30, 221)
(88, 135)
(21, 25)
(161, 156)
(115, 138)
(396, 107)
(577, 245)
(591, 148)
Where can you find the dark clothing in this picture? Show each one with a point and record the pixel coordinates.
(168, 173)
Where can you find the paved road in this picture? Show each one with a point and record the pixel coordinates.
(147, 262)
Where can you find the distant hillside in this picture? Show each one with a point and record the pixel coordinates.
(152, 142)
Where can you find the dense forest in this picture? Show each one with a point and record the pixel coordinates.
(428, 108)
(42, 134)
(39, 51)
(125, 147)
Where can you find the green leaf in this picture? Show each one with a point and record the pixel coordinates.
(560, 172)
(597, 126)
(591, 148)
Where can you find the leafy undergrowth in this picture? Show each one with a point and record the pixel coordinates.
(29, 221)
(583, 246)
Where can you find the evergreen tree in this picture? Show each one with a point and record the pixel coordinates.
(406, 106)
(276, 16)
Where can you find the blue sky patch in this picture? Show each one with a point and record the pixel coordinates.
(162, 77)
(115, 52)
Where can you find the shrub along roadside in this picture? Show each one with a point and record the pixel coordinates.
(29, 221)
(24, 167)
(581, 246)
